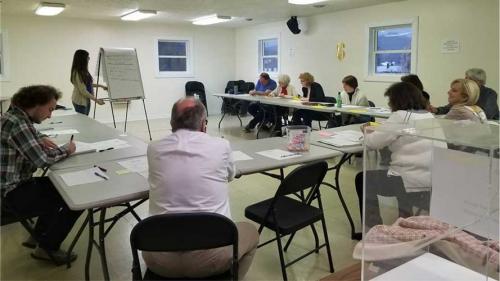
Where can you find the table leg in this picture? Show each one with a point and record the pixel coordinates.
(101, 247)
(337, 167)
(73, 243)
(263, 120)
(90, 217)
(223, 111)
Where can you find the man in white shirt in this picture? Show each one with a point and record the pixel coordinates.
(189, 172)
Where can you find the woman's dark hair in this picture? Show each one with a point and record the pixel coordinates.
(413, 79)
(80, 67)
(405, 96)
(351, 81)
(31, 96)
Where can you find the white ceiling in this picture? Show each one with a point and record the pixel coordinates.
(182, 11)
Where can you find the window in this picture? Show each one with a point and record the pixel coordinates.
(174, 57)
(392, 51)
(269, 55)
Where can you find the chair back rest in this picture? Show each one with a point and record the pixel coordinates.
(329, 99)
(183, 232)
(371, 104)
(194, 87)
(303, 177)
(247, 87)
(230, 86)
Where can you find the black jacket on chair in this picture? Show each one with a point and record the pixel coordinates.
(317, 94)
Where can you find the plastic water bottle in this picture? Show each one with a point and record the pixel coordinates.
(235, 89)
(339, 100)
(196, 96)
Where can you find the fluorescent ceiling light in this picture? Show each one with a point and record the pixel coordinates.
(139, 15)
(49, 9)
(304, 2)
(211, 19)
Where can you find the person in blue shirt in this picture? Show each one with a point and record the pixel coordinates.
(265, 85)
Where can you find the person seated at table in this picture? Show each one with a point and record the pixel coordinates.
(409, 167)
(413, 79)
(265, 85)
(312, 92)
(352, 95)
(23, 150)
(487, 100)
(462, 97)
(284, 90)
(189, 171)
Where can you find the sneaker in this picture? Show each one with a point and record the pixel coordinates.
(58, 257)
(268, 125)
(30, 243)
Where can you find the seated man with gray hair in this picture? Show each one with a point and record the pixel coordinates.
(189, 171)
(488, 98)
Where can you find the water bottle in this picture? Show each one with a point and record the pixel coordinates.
(196, 96)
(339, 100)
(235, 89)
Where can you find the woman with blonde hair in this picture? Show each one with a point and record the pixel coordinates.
(284, 89)
(463, 96)
(312, 92)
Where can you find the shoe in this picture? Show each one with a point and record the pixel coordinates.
(268, 125)
(58, 257)
(357, 236)
(30, 243)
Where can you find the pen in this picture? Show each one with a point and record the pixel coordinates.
(71, 139)
(288, 155)
(101, 176)
(56, 122)
(109, 148)
(100, 168)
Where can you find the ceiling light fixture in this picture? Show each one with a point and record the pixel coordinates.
(304, 2)
(138, 15)
(211, 19)
(49, 9)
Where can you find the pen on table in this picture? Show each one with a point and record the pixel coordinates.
(288, 155)
(100, 168)
(56, 122)
(71, 139)
(101, 176)
(109, 148)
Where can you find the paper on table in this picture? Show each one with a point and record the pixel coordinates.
(114, 143)
(279, 154)
(62, 112)
(344, 138)
(138, 165)
(82, 147)
(82, 177)
(240, 156)
(60, 132)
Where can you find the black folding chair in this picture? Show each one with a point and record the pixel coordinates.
(195, 87)
(323, 116)
(285, 215)
(183, 232)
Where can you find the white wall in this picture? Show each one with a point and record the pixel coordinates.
(41, 51)
(473, 22)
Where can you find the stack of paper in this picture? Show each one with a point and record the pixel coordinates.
(110, 144)
(84, 176)
(279, 154)
(344, 139)
(240, 156)
(138, 165)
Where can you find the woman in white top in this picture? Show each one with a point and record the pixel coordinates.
(409, 168)
(351, 95)
(284, 89)
(463, 96)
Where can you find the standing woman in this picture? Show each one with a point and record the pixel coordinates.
(82, 81)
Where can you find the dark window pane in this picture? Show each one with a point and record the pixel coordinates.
(397, 38)
(173, 64)
(393, 63)
(172, 48)
(270, 65)
(270, 47)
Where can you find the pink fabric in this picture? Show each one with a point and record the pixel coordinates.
(421, 227)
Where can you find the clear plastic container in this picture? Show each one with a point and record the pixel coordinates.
(298, 137)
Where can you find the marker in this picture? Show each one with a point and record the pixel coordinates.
(101, 176)
(71, 139)
(100, 168)
(109, 148)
